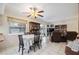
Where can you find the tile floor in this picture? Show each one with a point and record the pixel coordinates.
(49, 49)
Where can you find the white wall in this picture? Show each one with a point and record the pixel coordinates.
(72, 23)
(2, 7)
(3, 25)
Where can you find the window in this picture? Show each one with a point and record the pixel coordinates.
(16, 27)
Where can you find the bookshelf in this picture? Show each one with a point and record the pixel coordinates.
(34, 27)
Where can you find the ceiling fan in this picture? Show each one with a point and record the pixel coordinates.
(34, 12)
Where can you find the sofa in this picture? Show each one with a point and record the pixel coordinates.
(71, 35)
(57, 37)
(68, 51)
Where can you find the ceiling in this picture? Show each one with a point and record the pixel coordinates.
(52, 11)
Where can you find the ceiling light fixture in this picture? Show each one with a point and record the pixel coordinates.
(35, 12)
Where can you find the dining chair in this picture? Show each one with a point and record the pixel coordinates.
(31, 46)
(21, 44)
(37, 42)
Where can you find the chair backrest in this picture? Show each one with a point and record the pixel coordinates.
(20, 40)
(36, 38)
(71, 35)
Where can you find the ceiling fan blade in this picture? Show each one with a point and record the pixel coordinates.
(40, 11)
(28, 15)
(30, 8)
(40, 15)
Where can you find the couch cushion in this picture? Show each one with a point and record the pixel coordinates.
(71, 35)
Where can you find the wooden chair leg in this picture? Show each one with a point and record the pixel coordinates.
(39, 46)
(22, 49)
(19, 48)
(29, 49)
(34, 48)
